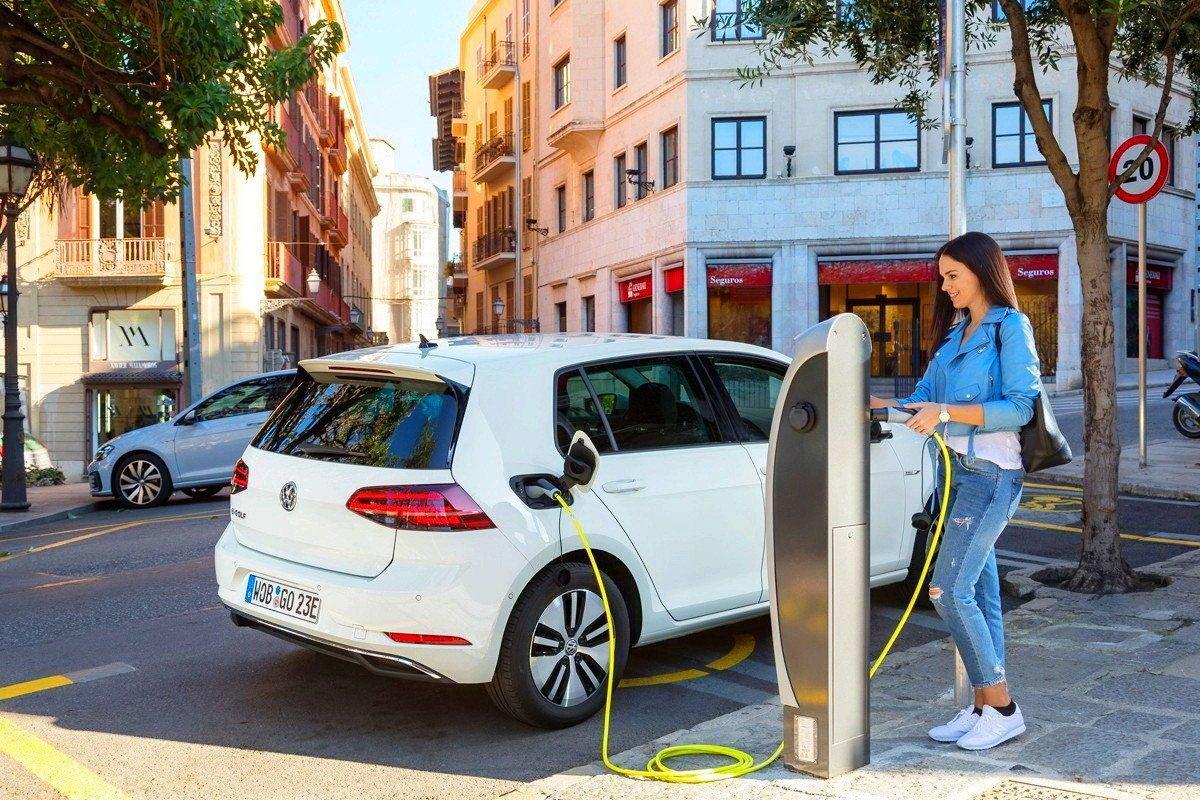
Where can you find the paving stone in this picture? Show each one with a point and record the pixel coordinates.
(1147, 690)
(1083, 752)
(1060, 708)
(1187, 733)
(1125, 721)
(1176, 765)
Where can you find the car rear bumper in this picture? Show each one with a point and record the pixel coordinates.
(464, 590)
(389, 666)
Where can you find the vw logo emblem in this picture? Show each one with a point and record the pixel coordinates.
(287, 496)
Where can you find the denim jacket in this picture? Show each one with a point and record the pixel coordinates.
(1005, 382)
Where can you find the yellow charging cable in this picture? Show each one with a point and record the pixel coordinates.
(741, 762)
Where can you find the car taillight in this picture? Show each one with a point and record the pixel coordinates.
(431, 507)
(426, 638)
(241, 477)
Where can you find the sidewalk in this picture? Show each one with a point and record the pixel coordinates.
(49, 503)
(1172, 471)
(1127, 380)
(1110, 689)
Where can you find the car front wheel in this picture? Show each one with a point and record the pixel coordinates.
(141, 481)
(554, 659)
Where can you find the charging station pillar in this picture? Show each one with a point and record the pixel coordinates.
(818, 546)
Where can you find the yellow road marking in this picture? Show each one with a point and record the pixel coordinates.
(37, 685)
(1067, 486)
(1051, 502)
(64, 774)
(1050, 526)
(104, 530)
(743, 648)
(63, 583)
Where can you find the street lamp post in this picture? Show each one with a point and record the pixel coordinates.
(17, 165)
(498, 310)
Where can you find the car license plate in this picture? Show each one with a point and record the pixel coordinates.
(281, 597)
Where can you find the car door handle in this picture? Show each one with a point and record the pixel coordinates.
(624, 485)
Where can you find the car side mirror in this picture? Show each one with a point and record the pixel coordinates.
(187, 419)
(580, 464)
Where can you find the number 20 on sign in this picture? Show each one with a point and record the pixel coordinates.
(1150, 176)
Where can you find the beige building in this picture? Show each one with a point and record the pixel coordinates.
(101, 315)
(409, 268)
(675, 200)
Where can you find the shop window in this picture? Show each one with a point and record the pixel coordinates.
(739, 147)
(876, 141)
(739, 302)
(1159, 280)
(652, 403)
(1013, 141)
(121, 409)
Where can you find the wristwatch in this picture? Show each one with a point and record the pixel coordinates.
(944, 417)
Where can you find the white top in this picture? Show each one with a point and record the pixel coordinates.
(1002, 448)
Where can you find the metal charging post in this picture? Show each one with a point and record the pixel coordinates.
(817, 502)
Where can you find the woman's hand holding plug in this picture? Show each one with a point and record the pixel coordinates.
(926, 419)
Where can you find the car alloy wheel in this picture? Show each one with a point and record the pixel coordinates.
(141, 482)
(568, 655)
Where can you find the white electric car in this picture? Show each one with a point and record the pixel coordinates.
(380, 514)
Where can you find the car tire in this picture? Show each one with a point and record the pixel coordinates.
(203, 492)
(141, 480)
(553, 660)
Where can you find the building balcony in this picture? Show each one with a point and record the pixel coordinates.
(499, 67)
(137, 262)
(337, 157)
(285, 156)
(495, 158)
(285, 273)
(495, 249)
(577, 137)
(339, 234)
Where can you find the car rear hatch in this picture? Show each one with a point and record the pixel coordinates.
(348, 425)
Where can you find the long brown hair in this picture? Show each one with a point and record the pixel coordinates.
(979, 253)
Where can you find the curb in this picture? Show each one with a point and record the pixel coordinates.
(1123, 487)
(53, 516)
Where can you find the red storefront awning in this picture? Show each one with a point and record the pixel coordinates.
(722, 276)
(673, 279)
(637, 288)
(1158, 276)
(1023, 266)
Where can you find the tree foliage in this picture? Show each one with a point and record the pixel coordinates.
(111, 94)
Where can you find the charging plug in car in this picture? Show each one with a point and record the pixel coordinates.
(579, 471)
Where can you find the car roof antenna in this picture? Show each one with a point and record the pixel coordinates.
(425, 343)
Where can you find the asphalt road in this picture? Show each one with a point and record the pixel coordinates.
(1069, 413)
(188, 706)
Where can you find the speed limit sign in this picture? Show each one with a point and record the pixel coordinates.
(1150, 176)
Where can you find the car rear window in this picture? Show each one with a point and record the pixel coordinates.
(401, 424)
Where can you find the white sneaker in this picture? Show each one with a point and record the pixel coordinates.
(956, 728)
(993, 728)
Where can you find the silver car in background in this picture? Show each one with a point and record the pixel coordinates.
(193, 452)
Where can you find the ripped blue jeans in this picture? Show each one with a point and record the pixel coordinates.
(965, 588)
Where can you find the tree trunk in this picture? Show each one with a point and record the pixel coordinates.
(1102, 568)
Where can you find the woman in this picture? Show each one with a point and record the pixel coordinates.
(978, 390)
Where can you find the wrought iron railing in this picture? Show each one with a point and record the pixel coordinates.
(502, 55)
(103, 258)
(494, 243)
(495, 148)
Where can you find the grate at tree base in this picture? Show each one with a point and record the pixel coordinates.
(1020, 790)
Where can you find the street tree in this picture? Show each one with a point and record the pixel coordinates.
(1154, 41)
(111, 94)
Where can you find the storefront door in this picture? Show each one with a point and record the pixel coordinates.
(895, 341)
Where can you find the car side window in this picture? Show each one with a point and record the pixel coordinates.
(278, 389)
(653, 403)
(575, 410)
(248, 397)
(754, 389)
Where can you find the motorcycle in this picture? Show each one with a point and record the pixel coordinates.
(1186, 415)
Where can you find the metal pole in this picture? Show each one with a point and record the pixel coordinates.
(957, 178)
(12, 497)
(1142, 335)
(191, 298)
